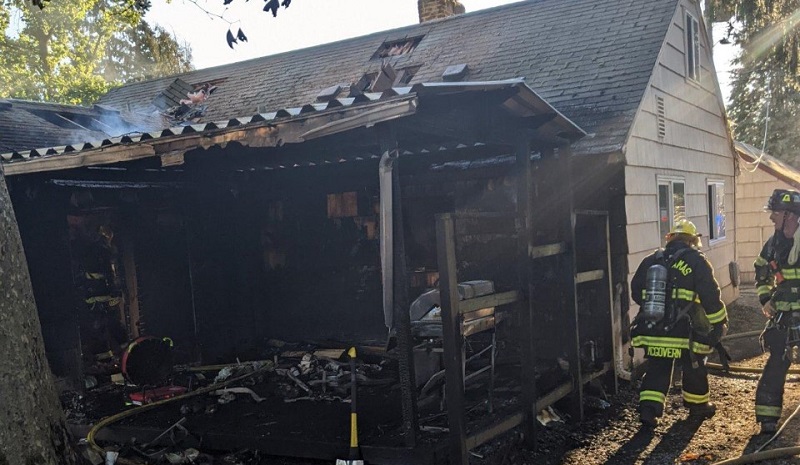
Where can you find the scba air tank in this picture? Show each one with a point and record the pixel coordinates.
(655, 294)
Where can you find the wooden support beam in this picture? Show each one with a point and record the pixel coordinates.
(452, 340)
(65, 161)
(527, 336)
(381, 113)
(567, 270)
(491, 300)
(554, 274)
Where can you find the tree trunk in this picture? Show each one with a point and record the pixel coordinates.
(32, 424)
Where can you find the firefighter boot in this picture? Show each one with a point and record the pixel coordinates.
(648, 417)
(704, 410)
(768, 427)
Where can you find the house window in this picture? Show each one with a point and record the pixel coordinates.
(671, 203)
(716, 210)
(692, 48)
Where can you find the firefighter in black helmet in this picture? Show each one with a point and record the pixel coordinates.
(681, 317)
(778, 286)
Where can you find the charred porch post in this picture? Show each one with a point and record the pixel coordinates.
(452, 340)
(522, 151)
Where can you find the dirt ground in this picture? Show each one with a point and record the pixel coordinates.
(613, 435)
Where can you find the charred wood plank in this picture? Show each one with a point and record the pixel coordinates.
(527, 336)
(452, 341)
(491, 300)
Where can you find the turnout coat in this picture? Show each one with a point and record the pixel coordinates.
(690, 281)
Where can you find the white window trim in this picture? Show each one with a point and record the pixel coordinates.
(694, 44)
(709, 183)
(665, 180)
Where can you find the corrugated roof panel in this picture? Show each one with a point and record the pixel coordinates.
(531, 100)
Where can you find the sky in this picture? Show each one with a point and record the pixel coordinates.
(306, 23)
(303, 24)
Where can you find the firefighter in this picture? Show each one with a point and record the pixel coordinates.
(681, 316)
(778, 287)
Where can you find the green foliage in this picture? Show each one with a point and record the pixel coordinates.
(765, 81)
(73, 51)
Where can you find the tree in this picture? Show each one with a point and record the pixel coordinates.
(32, 425)
(73, 51)
(144, 52)
(765, 89)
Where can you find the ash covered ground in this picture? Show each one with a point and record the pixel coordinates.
(611, 432)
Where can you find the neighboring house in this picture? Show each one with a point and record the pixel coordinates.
(759, 174)
(261, 209)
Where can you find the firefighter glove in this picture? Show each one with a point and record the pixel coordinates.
(768, 310)
(718, 331)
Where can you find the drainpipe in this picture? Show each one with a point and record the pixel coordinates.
(385, 169)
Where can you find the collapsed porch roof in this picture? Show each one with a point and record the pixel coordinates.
(294, 126)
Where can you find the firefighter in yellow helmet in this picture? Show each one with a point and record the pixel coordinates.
(681, 317)
(777, 283)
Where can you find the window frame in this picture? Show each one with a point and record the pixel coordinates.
(712, 194)
(669, 182)
(692, 44)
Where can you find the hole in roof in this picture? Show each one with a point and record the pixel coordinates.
(393, 48)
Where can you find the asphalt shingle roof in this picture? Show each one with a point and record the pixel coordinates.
(25, 125)
(590, 59)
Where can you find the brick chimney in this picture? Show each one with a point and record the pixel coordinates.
(436, 9)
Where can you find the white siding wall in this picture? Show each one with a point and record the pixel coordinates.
(696, 148)
(753, 226)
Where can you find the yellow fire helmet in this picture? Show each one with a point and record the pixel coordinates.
(684, 226)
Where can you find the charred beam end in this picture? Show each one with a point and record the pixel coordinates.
(172, 158)
(368, 118)
(537, 121)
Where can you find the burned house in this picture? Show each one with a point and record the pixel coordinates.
(465, 208)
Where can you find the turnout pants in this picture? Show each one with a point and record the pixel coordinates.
(658, 377)
(769, 394)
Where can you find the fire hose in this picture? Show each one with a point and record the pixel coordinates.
(90, 437)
